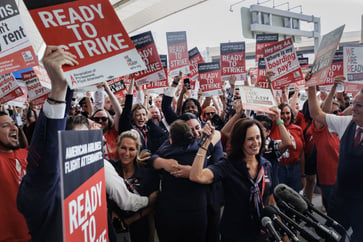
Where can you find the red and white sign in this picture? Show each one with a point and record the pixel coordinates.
(261, 74)
(233, 60)
(16, 51)
(83, 190)
(210, 81)
(38, 85)
(146, 47)
(178, 53)
(281, 58)
(158, 87)
(9, 87)
(336, 69)
(91, 30)
(262, 41)
(21, 100)
(352, 87)
(194, 59)
(117, 86)
(324, 57)
(353, 63)
(256, 98)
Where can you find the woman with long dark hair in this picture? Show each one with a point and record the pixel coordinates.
(246, 178)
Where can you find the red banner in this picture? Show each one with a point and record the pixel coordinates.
(336, 69)
(146, 48)
(9, 87)
(92, 31)
(262, 41)
(16, 51)
(233, 60)
(281, 58)
(261, 74)
(38, 86)
(210, 81)
(324, 56)
(178, 53)
(194, 59)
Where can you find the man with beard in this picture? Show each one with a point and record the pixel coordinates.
(155, 116)
(12, 169)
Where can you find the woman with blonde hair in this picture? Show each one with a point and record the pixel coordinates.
(139, 180)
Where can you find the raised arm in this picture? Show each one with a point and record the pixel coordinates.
(285, 136)
(315, 112)
(198, 173)
(168, 112)
(115, 104)
(227, 128)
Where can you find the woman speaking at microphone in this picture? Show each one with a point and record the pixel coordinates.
(246, 178)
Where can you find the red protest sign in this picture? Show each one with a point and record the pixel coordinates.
(352, 87)
(38, 86)
(194, 59)
(92, 31)
(83, 191)
(281, 58)
(16, 51)
(336, 69)
(233, 60)
(263, 40)
(261, 74)
(9, 87)
(255, 98)
(20, 100)
(324, 56)
(146, 48)
(210, 79)
(178, 53)
(117, 86)
(353, 59)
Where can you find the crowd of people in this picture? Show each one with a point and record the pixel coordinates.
(180, 168)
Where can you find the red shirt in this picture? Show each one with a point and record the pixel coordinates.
(12, 169)
(292, 154)
(327, 147)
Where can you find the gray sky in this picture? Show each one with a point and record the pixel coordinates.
(211, 23)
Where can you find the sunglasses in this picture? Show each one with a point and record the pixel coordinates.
(336, 112)
(97, 119)
(210, 113)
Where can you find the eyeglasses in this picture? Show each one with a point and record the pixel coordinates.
(97, 119)
(210, 113)
(336, 112)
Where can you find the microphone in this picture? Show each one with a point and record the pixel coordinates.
(330, 220)
(307, 234)
(290, 196)
(270, 212)
(320, 229)
(267, 223)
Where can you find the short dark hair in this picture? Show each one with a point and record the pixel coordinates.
(76, 120)
(238, 138)
(265, 121)
(180, 133)
(187, 116)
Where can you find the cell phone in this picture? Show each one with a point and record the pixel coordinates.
(187, 82)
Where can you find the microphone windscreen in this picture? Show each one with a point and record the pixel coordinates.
(290, 196)
(265, 221)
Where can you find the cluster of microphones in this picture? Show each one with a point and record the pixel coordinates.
(298, 219)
